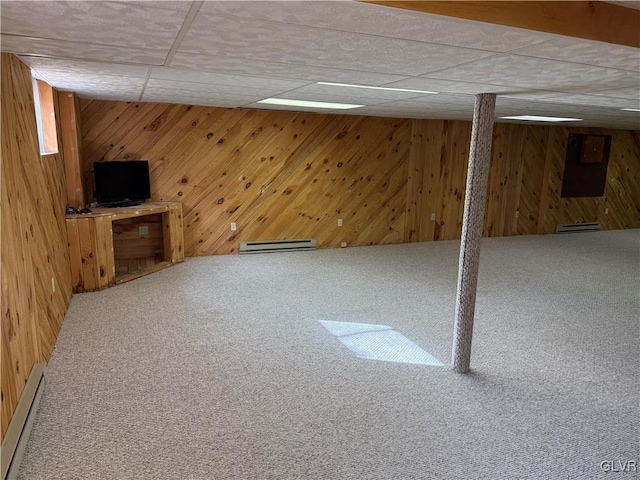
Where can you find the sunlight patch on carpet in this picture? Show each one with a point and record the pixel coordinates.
(379, 342)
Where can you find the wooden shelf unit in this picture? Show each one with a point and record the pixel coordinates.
(106, 247)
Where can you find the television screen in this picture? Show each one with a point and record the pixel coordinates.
(122, 182)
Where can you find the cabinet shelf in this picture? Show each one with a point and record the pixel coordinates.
(114, 245)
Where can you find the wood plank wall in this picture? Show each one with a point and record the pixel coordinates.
(282, 175)
(34, 239)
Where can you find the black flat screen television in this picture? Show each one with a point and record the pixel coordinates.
(122, 183)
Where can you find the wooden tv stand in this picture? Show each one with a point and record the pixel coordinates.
(114, 245)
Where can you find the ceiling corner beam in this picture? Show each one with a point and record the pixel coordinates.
(599, 21)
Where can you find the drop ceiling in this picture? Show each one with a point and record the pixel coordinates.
(236, 53)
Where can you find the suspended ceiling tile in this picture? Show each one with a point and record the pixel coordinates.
(64, 67)
(575, 99)
(249, 81)
(380, 21)
(205, 90)
(72, 50)
(318, 97)
(275, 42)
(529, 72)
(116, 96)
(198, 97)
(87, 82)
(631, 93)
(243, 66)
(446, 86)
(359, 94)
(170, 4)
(587, 52)
(106, 23)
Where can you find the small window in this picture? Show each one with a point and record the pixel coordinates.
(45, 117)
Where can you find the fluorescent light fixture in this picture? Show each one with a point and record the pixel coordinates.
(536, 118)
(376, 88)
(631, 109)
(305, 103)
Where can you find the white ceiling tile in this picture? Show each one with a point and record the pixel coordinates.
(117, 95)
(446, 86)
(587, 52)
(56, 67)
(106, 23)
(571, 99)
(356, 94)
(68, 49)
(170, 4)
(632, 93)
(197, 97)
(316, 97)
(520, 71)
(241, 66)
(276, 42)
(380, 21)
(86, 83)
(194, 76)
(206, 89)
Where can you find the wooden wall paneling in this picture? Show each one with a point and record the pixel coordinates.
(457, 136)
(505, 179)
(544, 181)
(416, 184)
(622, 189)
(435, 161)
(72, 147)
(273, 173)
(292, 175)
(33, 239)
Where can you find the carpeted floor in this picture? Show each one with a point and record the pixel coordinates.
(219, 368)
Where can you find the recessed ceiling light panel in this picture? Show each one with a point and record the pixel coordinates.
(308, 104)
(631, 109)
(537, 118)
(371, 87)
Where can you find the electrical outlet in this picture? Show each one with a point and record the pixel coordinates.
(517, 213)
(339, 222)
(433, 216)
(53, 284)
(343, 244)
(143, 230)
(233, 226)
(606, 211)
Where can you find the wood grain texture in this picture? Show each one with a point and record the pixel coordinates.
(106, 245)
(278, 175)
(33, 239)
(599, 21)
(284, 175)
(71, 147)
(622, 190)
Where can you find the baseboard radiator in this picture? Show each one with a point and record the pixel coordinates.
(278, 246)
(577, 227)
(15, 440)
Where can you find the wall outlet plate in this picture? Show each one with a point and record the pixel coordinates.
(339, 222)
(143, 230)
(343, 244)
(233, 226)
(433, 216)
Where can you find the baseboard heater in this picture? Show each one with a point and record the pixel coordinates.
(15, 439)
(577, 227)
(278, 246)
